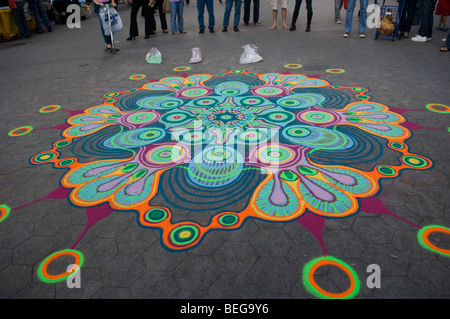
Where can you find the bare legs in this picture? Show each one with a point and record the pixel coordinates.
(283, 17)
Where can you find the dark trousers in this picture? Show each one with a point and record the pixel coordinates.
(149, 27)
(298, 3)
(162, 15)
(409, 11)
(427, 10)
(247, 4)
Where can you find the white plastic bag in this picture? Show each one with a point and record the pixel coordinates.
(196, 55)
(116, 21)
(250, 54)
(153, 56)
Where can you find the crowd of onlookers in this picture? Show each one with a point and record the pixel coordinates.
(420, 12)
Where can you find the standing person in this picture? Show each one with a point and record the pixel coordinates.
(162, 15)
(275, 5)
(21, 21)
(309, 10)
(443, 10)
(176, 16)
(237, 14)
(201, 11)
(407, 18)
(349, 17)
(107, 38)
(37, 7)
(426, 24)
(337, 10)
(149, 27)
(247, 4)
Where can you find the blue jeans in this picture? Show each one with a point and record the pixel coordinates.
(176, 12)
(237, 12)
(447, 41)
(33, 4)
(201, 10)
(427, 10)
(21, 21)
(363, 15)
(106, 38)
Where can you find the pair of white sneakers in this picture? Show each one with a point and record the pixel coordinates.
(419, 38)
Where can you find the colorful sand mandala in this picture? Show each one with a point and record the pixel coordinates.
(283, 146)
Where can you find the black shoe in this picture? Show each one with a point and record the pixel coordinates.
(50, 29)
(39, 31)
(236, 29)
(211, 30)
(147, 36)
(292, 28)
(201, 31)
(308, 28)
(224, 29)
(131, 38)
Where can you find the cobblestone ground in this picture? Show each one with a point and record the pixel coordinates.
(69, 67)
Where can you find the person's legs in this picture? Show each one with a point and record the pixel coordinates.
(426, 26)
(338, 4)
(211, 18)
(33, 4)
(247, 4)
(298, 3)
(349, 15)
(410, 13)
(274, 18)
(283, 16)
(447, 41)
(201, 11)
(149, 18)
(226, 16)
(43, 16)
(180, 16)
(21, 22)
(309, 15)
(134, 31)
(256, 11)
(237, 12)
(363, 16)
(162, 15)
(173, 16)
(274, 4)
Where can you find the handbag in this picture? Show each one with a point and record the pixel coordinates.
(116, 21)
(12, 4)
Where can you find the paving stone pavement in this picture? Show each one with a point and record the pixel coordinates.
(69, 67)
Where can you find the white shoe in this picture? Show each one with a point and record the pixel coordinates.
(419, 38)
(444, 39)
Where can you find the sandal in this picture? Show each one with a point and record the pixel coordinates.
(406, 35)
(444, 49)
(273, 27)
